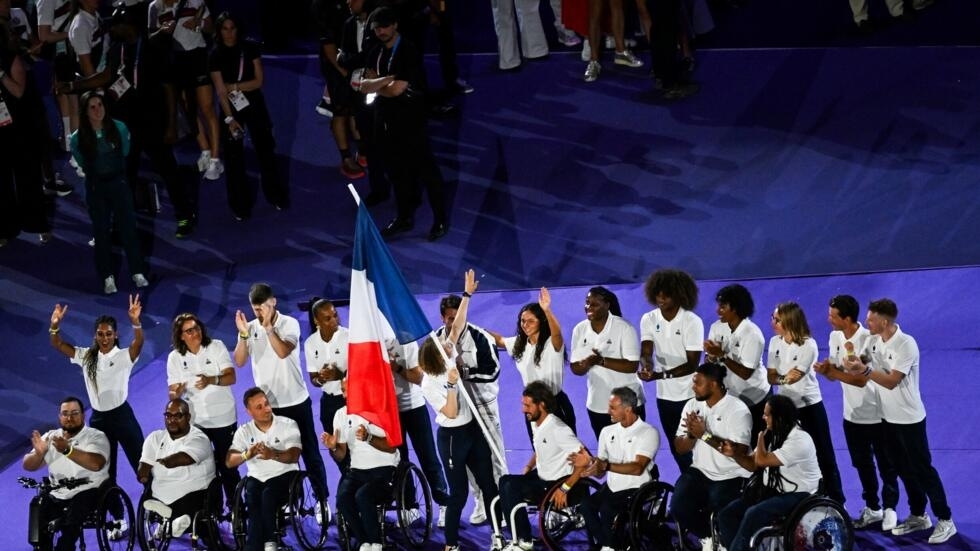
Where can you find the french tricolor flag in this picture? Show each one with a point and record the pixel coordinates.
(381, 306)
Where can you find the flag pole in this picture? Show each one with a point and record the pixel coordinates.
(461, 388)
(357, 198)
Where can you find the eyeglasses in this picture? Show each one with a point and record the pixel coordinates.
(172, 416)
(72, 413)
(192, 329)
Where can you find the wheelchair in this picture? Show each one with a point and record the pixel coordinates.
(558, 528)
(816, 523)
(112, 518)
(646, 525)
(307, 514)
(408, 510)
(207, 524)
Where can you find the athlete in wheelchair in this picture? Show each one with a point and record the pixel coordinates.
(275, 493)
(779, 501)
(77, 492)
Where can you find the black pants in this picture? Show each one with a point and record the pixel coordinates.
(696, 496)
(72, 512)
(866, 445)
(120, 427)
(522, 488)
(302, 413)
(464, 448)
(665, 24)
(599, 510)
(221, 441)
(411, 166)
(813, 419)
(329, 404)
(908, 448)
(670, 417)
(358, 496)
(241, 193)
(417, 425)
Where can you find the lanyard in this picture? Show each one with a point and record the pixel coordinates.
(390, 59)
(241, 65)
(136, 61)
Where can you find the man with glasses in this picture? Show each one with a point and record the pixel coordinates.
(74, 451)
(178, 465)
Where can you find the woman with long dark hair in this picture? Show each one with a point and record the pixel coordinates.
(200, 371)
(538, 349)
(106, 369)
(605, 347)
(101, 145)
(789, 458)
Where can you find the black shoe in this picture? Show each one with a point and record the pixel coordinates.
(58, 187)
(184, 229)
(681, 91)
(438, 230)
(398, 225)
(375, 199)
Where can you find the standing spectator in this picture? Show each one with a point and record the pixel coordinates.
(101, 145)
(532, 42)
(665, 29)
(53, 19)
(622, 56)
(416, 18)
(236, 70)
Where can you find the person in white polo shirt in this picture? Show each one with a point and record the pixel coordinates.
(368, 482)
(269, 445)
(605, 348)
(625, 456)
(786, 455)
(863, 428)
(894, 367)
(713, 480)
(272, 341)
(178, 465)
(106, 369)
(73, 451)
(326, 358)
(671, 341)
(199, 370)
(736, 342)
(553, 443)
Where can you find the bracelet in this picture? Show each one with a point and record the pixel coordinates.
(138, 326)
(369, 438)
(602, 361)
(565, 487)
(217, 380)
(243, 336)
(706, 436)
(781, 380)
(867, 372)
(245, 455)
(466, 295)
(54, 330)
(668, 375)
(450, 386)
(229, 119)
(68, 451)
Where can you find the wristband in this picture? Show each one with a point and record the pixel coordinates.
(707, 436)
(450, 386)
(466, 295)
(137, 327)
(217, 380)
(54, 330)
(369, 438)
(243, 336)
(602, 361)
(867, 372)
(245, 455)
(565, 487)
(68, 451)
(229, 119)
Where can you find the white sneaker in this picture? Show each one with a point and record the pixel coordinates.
(140, 281)
(945, 529)
(913, 523)
(868, 516)
(592, 71)
(377, 547)
(364, 547)
(158, 507)
(707, 544)
(889, 520)
(568, 38)
(586, 51)
(109, 286)
(119, 532)
(441, 521)
(180, 525)
(607, 548)
(203, 161)
(215, 169)
(519, 545)
(270, 546)
(626, 58)
(479, 514)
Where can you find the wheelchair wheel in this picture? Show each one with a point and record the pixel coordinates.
(819, 523)
(239, 516)
(565, 528)
(413, 503)
(306, 508)
(343, 534)
(646, 524)
(152, 531)
(116, 526)
(211, 524)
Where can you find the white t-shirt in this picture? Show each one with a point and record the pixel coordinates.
(553, 442)
(549, 371)
(745, 345)
(362, 454)
(169, 485)
(282, 435)
(785, 356)
(616, 340)
(672, 340)
(901, 405)
(20, 25)
(619, 444)
(436, 391)
(729, 419)
(61, 467)
(333, 353)
(184, 39)
(54, 13)
(860, 403)
(214, 406)
(407, 357)
(86, 34)
(280, 378)
(112, 376)
(800, 470)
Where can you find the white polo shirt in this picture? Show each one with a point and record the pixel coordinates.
(619, 444)
(901, 405)
(745, 345)
(280, 378)
(282, 435)
(799, 467)
(406, 356)
(334, 354)
(112, 375)
(184, 39)
(362, 454)
(61, 467)
(730, 420)
(616, 340)
(214, 406)
(436, 391)
(171, 484)
(553, 442)
(550, 370)
(55, 14)
(860, 403)
(785, 356)
(85, 34)
(672, 340)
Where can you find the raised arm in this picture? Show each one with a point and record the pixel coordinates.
(544, 301)
(54, 331)
(135, 309)
(459, 324)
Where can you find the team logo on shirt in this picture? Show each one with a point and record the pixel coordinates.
(678, 332)
(657, 328)
(794, 358)
(336, 351)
